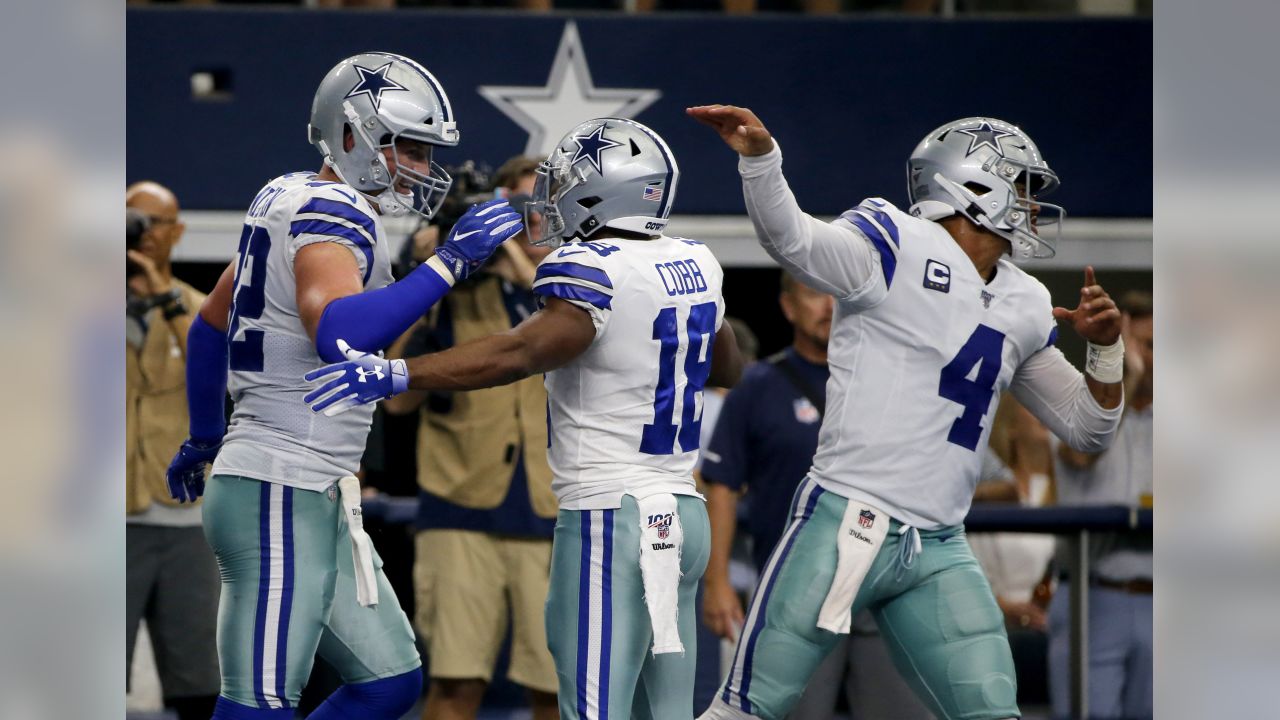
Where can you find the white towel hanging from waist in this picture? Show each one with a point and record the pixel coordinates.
(862, 532)
(361, 545)
(661, 540)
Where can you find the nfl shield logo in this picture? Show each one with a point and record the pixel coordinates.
(662, 523)
(866, 518)
(805, 411)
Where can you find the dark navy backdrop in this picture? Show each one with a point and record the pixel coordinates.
(848, 98)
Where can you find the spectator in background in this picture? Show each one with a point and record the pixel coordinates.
(486, 512)
(1120, 594)
(764, 444)
(1018, 468)
(171, 577)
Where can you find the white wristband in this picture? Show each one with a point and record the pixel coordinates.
(441, 269)
(1106, 362)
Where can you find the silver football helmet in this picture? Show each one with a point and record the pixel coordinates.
(381, 98)
(991, 173)
(607, 172)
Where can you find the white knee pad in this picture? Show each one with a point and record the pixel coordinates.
(719, 710)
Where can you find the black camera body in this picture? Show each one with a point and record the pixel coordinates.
(136, 224)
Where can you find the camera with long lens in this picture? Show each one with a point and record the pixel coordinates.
(136, 224)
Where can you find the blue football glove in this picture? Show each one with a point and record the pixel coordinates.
(361, 379)
(186, 471)
(477, 235)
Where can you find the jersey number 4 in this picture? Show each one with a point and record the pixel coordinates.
(250, 298)
(983, 350)
(659, 437)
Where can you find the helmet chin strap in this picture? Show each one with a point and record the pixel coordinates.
(1020, 248)
(390, 203)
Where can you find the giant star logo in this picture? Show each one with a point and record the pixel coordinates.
(984, 134)
(568, 98)
(373, 83)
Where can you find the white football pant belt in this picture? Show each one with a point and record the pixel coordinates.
(862, 532)
(361, 545)
(661, 541)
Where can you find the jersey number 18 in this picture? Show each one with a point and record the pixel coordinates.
(659, 437)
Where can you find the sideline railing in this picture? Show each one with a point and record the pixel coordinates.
(1074, 523)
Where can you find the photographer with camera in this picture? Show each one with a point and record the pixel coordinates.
(172, 578)
(485, 507)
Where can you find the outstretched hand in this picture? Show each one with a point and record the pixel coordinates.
(360, 380)
(738, 127)
(1096, 318)
(476, 236)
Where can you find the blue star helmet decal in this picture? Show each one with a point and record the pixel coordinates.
(984, 134)
(373, 83)
(590, 147)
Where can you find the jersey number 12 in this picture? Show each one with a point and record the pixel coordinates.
(250, 298)
(659, 437)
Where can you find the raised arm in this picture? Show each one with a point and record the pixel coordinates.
(329, 281)
(826, 257)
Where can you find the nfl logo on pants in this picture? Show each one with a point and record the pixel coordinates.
(866, 518)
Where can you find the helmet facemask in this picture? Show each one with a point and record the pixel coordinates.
(552, 182)
(422, 193)
(1013, 210)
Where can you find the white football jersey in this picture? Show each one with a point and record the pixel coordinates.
(919, 356)
(921, 348)
(625, 416)
(273, 435)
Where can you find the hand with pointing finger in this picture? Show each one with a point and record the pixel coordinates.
(738, 127)
(1096, 318)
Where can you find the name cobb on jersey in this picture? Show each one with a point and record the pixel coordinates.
(681, 277)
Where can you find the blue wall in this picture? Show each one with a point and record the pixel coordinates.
(848, 98)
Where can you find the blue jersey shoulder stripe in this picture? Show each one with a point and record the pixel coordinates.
(885, 221)
(574, 292)
(1053, 337)
(351, 213)
(888, 260)
(574, 270)
(333, 229)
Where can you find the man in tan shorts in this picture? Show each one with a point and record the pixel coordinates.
(486, 512)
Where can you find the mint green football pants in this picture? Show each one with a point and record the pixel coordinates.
(289, 592)
(598, 626)
(938, 618)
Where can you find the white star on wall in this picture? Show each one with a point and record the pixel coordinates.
(568, 98)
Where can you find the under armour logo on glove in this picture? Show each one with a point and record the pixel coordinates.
(376, 372)
(477, 235)
(361, 379)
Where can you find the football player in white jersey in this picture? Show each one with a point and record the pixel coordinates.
(313, 266)
(629, 333)
(932, 323)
